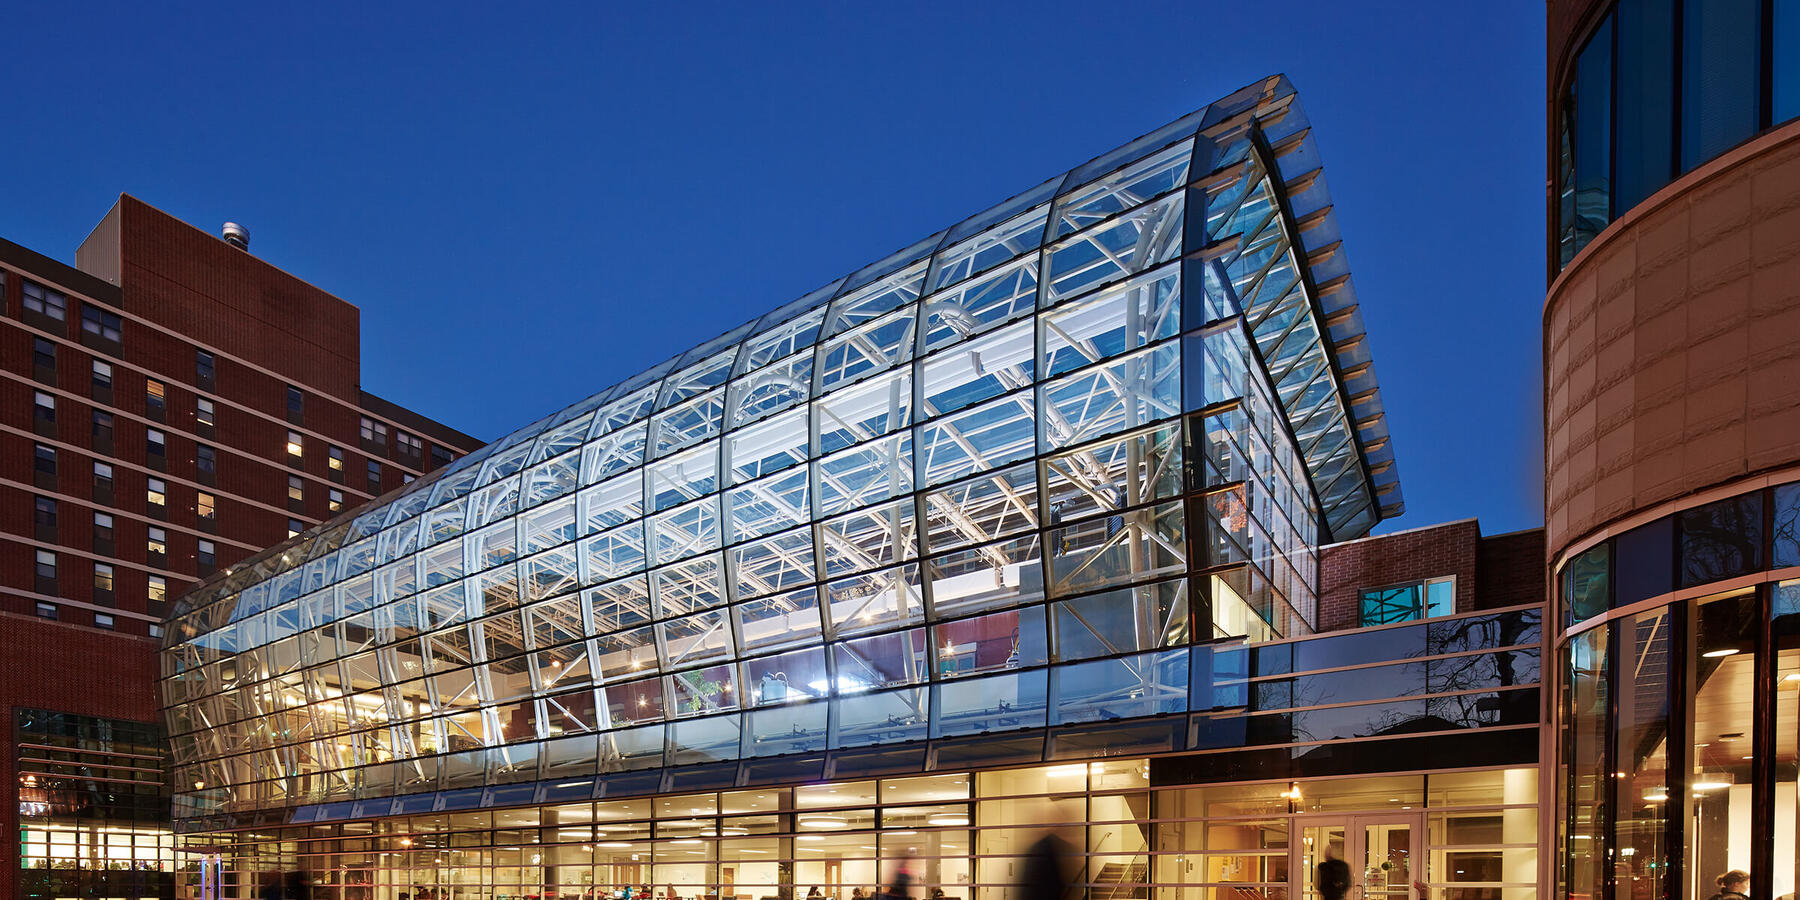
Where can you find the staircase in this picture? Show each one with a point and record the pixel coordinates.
(1120, 881)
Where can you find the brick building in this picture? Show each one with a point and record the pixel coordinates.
(168, 406)
(1485, 572)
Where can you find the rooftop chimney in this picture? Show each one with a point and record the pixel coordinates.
(236, 235)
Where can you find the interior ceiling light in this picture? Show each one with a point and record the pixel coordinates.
(1722, 651)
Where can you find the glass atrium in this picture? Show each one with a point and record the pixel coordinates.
(990, 502)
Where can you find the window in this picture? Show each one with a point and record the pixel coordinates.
(155, 442)
(334, 463)
(205, 557)
(335, 500)
(44, 517)
(156, 545)
(205, 369)
(205, 507)
(156, 592)
(296, 490)
(441, 457)
(295, 526)
(155, 404)
(296, 448)
(203, 416)
(43, 464)
(102, 382)
(296, 404)
(43, 410)
(45, 302)
(103, 620)
(206, 463)
(374, 476)
(103, 580)
(104, 325)
(156, 630)
(46, 611)
(46, 571)
(101, 437)
(103, 482)
(1406, 602)
(156, 496)
(1720, 76)
(409, 445)
(1720, 540)
(374, 435)
(103, 532)
(43, 359)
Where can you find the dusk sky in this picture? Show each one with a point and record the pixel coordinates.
(530, 202)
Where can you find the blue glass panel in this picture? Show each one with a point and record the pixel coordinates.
(1591, 100)
(1646, 110)
(1721, 540)
(1785, 48)
(1720, 77)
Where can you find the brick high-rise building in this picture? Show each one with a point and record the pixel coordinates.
(169, 406)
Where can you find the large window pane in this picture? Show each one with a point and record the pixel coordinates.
(1786, 47)
(1720, 83)
(1721, 540)
(1785, 637)
(1721, 693)
(1641, 823)
(1590, 104)
(1584, 770)
(1646, 100)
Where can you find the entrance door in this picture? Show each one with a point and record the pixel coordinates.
(1385, 853)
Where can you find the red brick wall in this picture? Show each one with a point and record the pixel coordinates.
(1509, 570)
(1490, 572)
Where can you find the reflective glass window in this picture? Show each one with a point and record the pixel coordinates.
(1721, 56)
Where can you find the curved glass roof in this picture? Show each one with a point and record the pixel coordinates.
(1300, 305)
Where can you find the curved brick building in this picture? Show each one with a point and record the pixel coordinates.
(1672, 416)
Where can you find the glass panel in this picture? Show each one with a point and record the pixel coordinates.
(1120, 621)
(1584, 770)
(1646, 100)
(1786, 100)
(1720, 76)
(979, 305)
(982, 369)
(1721, 540)
(1641, 825)
(1387, 861)
(1117, 549)
(1590, 105)
(1584, 582)
(1141, 311)
(1644, 564)
(1002, 640)
(1319, 843)
(1721, 708)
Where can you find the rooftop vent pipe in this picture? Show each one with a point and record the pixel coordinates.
(236, 235)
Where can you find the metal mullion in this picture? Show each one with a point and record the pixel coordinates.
(1762, 778)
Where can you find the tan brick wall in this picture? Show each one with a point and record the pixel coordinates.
(1672, 343)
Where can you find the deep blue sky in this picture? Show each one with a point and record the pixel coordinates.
(530, 201)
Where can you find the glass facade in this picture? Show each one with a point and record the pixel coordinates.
(93, 801)
(959, 835)
(1659, 88)
(1678, 716)
(979, 499)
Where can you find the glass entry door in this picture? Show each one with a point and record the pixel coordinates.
(1385, 853)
